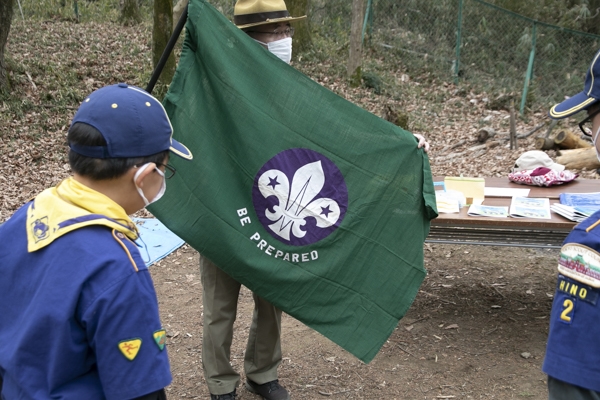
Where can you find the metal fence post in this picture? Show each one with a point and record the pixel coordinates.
(368, 19)
(458, 39)
(529, 73)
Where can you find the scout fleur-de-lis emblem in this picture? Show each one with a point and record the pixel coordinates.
(297, 200)
(300, 196)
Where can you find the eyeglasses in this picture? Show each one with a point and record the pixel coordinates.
(169, 170)
(586, 124)
(288, 32)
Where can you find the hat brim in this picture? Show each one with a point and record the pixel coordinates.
(271, 21)
(180, 150)
(557, 167)
(573, 105)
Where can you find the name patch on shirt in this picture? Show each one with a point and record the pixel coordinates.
(577, 290)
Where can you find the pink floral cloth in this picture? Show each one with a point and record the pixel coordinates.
(542, 176)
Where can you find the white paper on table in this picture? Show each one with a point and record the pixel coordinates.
(530, 207)
(505, 192)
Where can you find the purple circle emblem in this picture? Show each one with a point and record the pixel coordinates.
(300, 197)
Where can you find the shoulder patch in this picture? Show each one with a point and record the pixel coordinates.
(581, 263)
(121, 238)
(160, 338)
(130, 347)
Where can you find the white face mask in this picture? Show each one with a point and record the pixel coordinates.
(161, 191)
(594, 139)
(282, 48)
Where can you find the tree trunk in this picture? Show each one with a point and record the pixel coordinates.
(579, 158)
(130, 13)
(178, 10)
(161, 33)
(6, 13)
(566, 139)
(354, 60)
(302, 39)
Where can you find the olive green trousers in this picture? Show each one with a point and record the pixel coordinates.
(263, 350)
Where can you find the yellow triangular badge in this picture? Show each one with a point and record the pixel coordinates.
(130, 347)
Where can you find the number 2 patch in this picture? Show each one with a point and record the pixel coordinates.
(568, 310)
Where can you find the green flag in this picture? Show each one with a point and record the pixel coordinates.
(311, 202)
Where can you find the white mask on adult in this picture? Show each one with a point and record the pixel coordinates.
(161, 191)
(282, 48)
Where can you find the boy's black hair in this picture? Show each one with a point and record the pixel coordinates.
(97, 168)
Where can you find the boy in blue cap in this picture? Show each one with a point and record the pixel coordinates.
(572, 359)
(79, 317)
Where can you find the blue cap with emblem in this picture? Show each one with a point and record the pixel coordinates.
(584, 99)
(133, 123)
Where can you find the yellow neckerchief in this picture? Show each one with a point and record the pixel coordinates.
(69, 206)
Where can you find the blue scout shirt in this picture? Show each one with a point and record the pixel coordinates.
(79, 317)
(573, 349)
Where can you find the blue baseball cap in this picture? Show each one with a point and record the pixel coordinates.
(132, 121)
(582, 100)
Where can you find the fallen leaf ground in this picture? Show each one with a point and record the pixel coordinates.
(477, 328)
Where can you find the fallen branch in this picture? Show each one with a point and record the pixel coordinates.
(406, 351)
(506, 135)
(534, 130)
(491, 331)
(496, 289)
(552, 125)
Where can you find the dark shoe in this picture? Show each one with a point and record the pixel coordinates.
(227, 396)
(268, 391)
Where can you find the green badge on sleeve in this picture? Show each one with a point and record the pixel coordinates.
(160, 337)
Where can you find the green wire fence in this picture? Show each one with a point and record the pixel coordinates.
(467, 42)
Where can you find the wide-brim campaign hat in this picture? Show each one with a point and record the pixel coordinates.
(584, 99)
(132, 121)
(248, 13)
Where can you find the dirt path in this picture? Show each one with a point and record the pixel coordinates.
(477, 330)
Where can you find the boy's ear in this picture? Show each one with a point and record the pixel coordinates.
(149, 168)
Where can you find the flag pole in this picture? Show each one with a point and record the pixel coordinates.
(168, 49)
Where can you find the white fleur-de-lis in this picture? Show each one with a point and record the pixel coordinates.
(297, 202)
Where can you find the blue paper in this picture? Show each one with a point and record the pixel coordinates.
(587, 203)
(156, 240)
